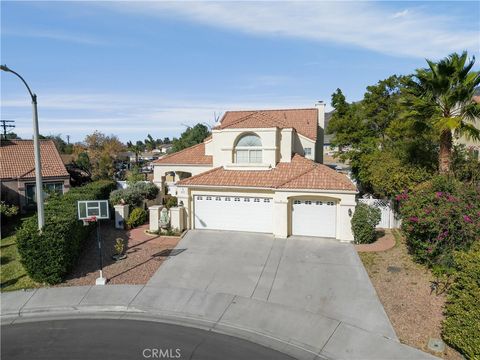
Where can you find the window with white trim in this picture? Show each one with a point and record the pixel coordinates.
(297, 202)
(237, 199)
(209, 198)
(307, 151)
(218, 198)
(227, 199)
(266, 200)
(248, 150)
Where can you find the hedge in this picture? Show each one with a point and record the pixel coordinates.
(461, 328)
(48, 256)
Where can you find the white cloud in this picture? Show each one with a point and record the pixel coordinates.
(128, 116)
(411, 32)
(54, 35)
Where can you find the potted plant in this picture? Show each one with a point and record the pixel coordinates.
(119, 248)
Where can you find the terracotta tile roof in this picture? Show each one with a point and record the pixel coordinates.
(300, 173)
(194, 155)
(17, 159)
(304, 121)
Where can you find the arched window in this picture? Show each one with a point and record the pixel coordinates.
(248, 150)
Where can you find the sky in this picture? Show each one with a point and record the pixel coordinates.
(134, 68)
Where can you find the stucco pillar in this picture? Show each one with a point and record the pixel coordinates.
(154, 218)
(280, 218)
(344, 226)
(121, 216)
(177, 218)
(184, 200)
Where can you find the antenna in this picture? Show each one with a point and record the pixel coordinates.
(5, 125)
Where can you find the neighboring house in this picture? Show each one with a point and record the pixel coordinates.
(165, 148)
(17, 172)
(261, 171)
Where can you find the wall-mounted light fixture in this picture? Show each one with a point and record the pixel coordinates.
(350, 212)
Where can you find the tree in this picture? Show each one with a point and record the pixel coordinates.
(440, 98)
(102, 151)
(136, 149)
(150, 143)
(191, 136)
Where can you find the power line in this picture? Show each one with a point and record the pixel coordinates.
(5, 125)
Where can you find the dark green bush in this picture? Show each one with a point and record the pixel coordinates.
(47, 257)
(170, 201)
(364, 221)
(439, 217)
(461, 328)
(137, 217)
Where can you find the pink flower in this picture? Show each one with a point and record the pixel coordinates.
(413, 219)
(438, 194)
(428, 211)
(467, 218)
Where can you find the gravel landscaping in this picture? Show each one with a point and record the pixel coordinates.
(145, 254)
(404, 288)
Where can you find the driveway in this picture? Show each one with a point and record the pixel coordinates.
(317, 275)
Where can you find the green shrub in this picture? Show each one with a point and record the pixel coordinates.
(364, 221)
(128, 196)
(170, 201)
(137, 217)
(439, 217)
(147, 189)
(48, 256)
(461, 328)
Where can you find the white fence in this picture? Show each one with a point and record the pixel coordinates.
(389, 219)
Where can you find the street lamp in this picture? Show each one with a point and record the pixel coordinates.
(36, 146)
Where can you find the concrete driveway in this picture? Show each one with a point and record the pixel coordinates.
(317, 275)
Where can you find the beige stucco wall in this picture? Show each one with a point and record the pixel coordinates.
(283, 200)
(14, 190)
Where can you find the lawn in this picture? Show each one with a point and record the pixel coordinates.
(12, 273)
(404, 288)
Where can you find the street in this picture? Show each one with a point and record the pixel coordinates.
(85, 339)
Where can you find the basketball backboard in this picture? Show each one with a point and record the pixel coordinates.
(93, 208)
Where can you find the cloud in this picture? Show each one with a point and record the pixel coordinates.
(129, 116)
(374, 26)
(54, 35)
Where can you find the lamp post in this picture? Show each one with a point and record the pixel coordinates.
(36, 146)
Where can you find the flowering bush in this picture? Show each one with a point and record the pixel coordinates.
(440, 216)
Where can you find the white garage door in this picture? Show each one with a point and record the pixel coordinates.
(314, 218)
(233, 213)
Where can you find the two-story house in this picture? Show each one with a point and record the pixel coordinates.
(262, 171)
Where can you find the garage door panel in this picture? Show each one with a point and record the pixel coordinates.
(314, 218)
(233, 213)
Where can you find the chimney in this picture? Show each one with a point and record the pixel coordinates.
(320, 105)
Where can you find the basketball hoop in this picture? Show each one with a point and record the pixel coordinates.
(89, 220)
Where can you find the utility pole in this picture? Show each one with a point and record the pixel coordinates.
(68, 139)
(6, 126)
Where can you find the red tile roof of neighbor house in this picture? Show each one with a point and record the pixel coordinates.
(300, 173)
(194, 155)
(304, 121)
(17, 159)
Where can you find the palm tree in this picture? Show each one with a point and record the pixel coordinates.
(440, 97)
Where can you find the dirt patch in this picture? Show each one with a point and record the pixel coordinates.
(145, 254)
(404, 288)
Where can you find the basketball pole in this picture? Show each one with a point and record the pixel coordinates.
(100, 280)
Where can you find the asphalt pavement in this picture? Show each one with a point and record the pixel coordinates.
(104, 339)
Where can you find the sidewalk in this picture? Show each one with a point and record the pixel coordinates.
(301, 334)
